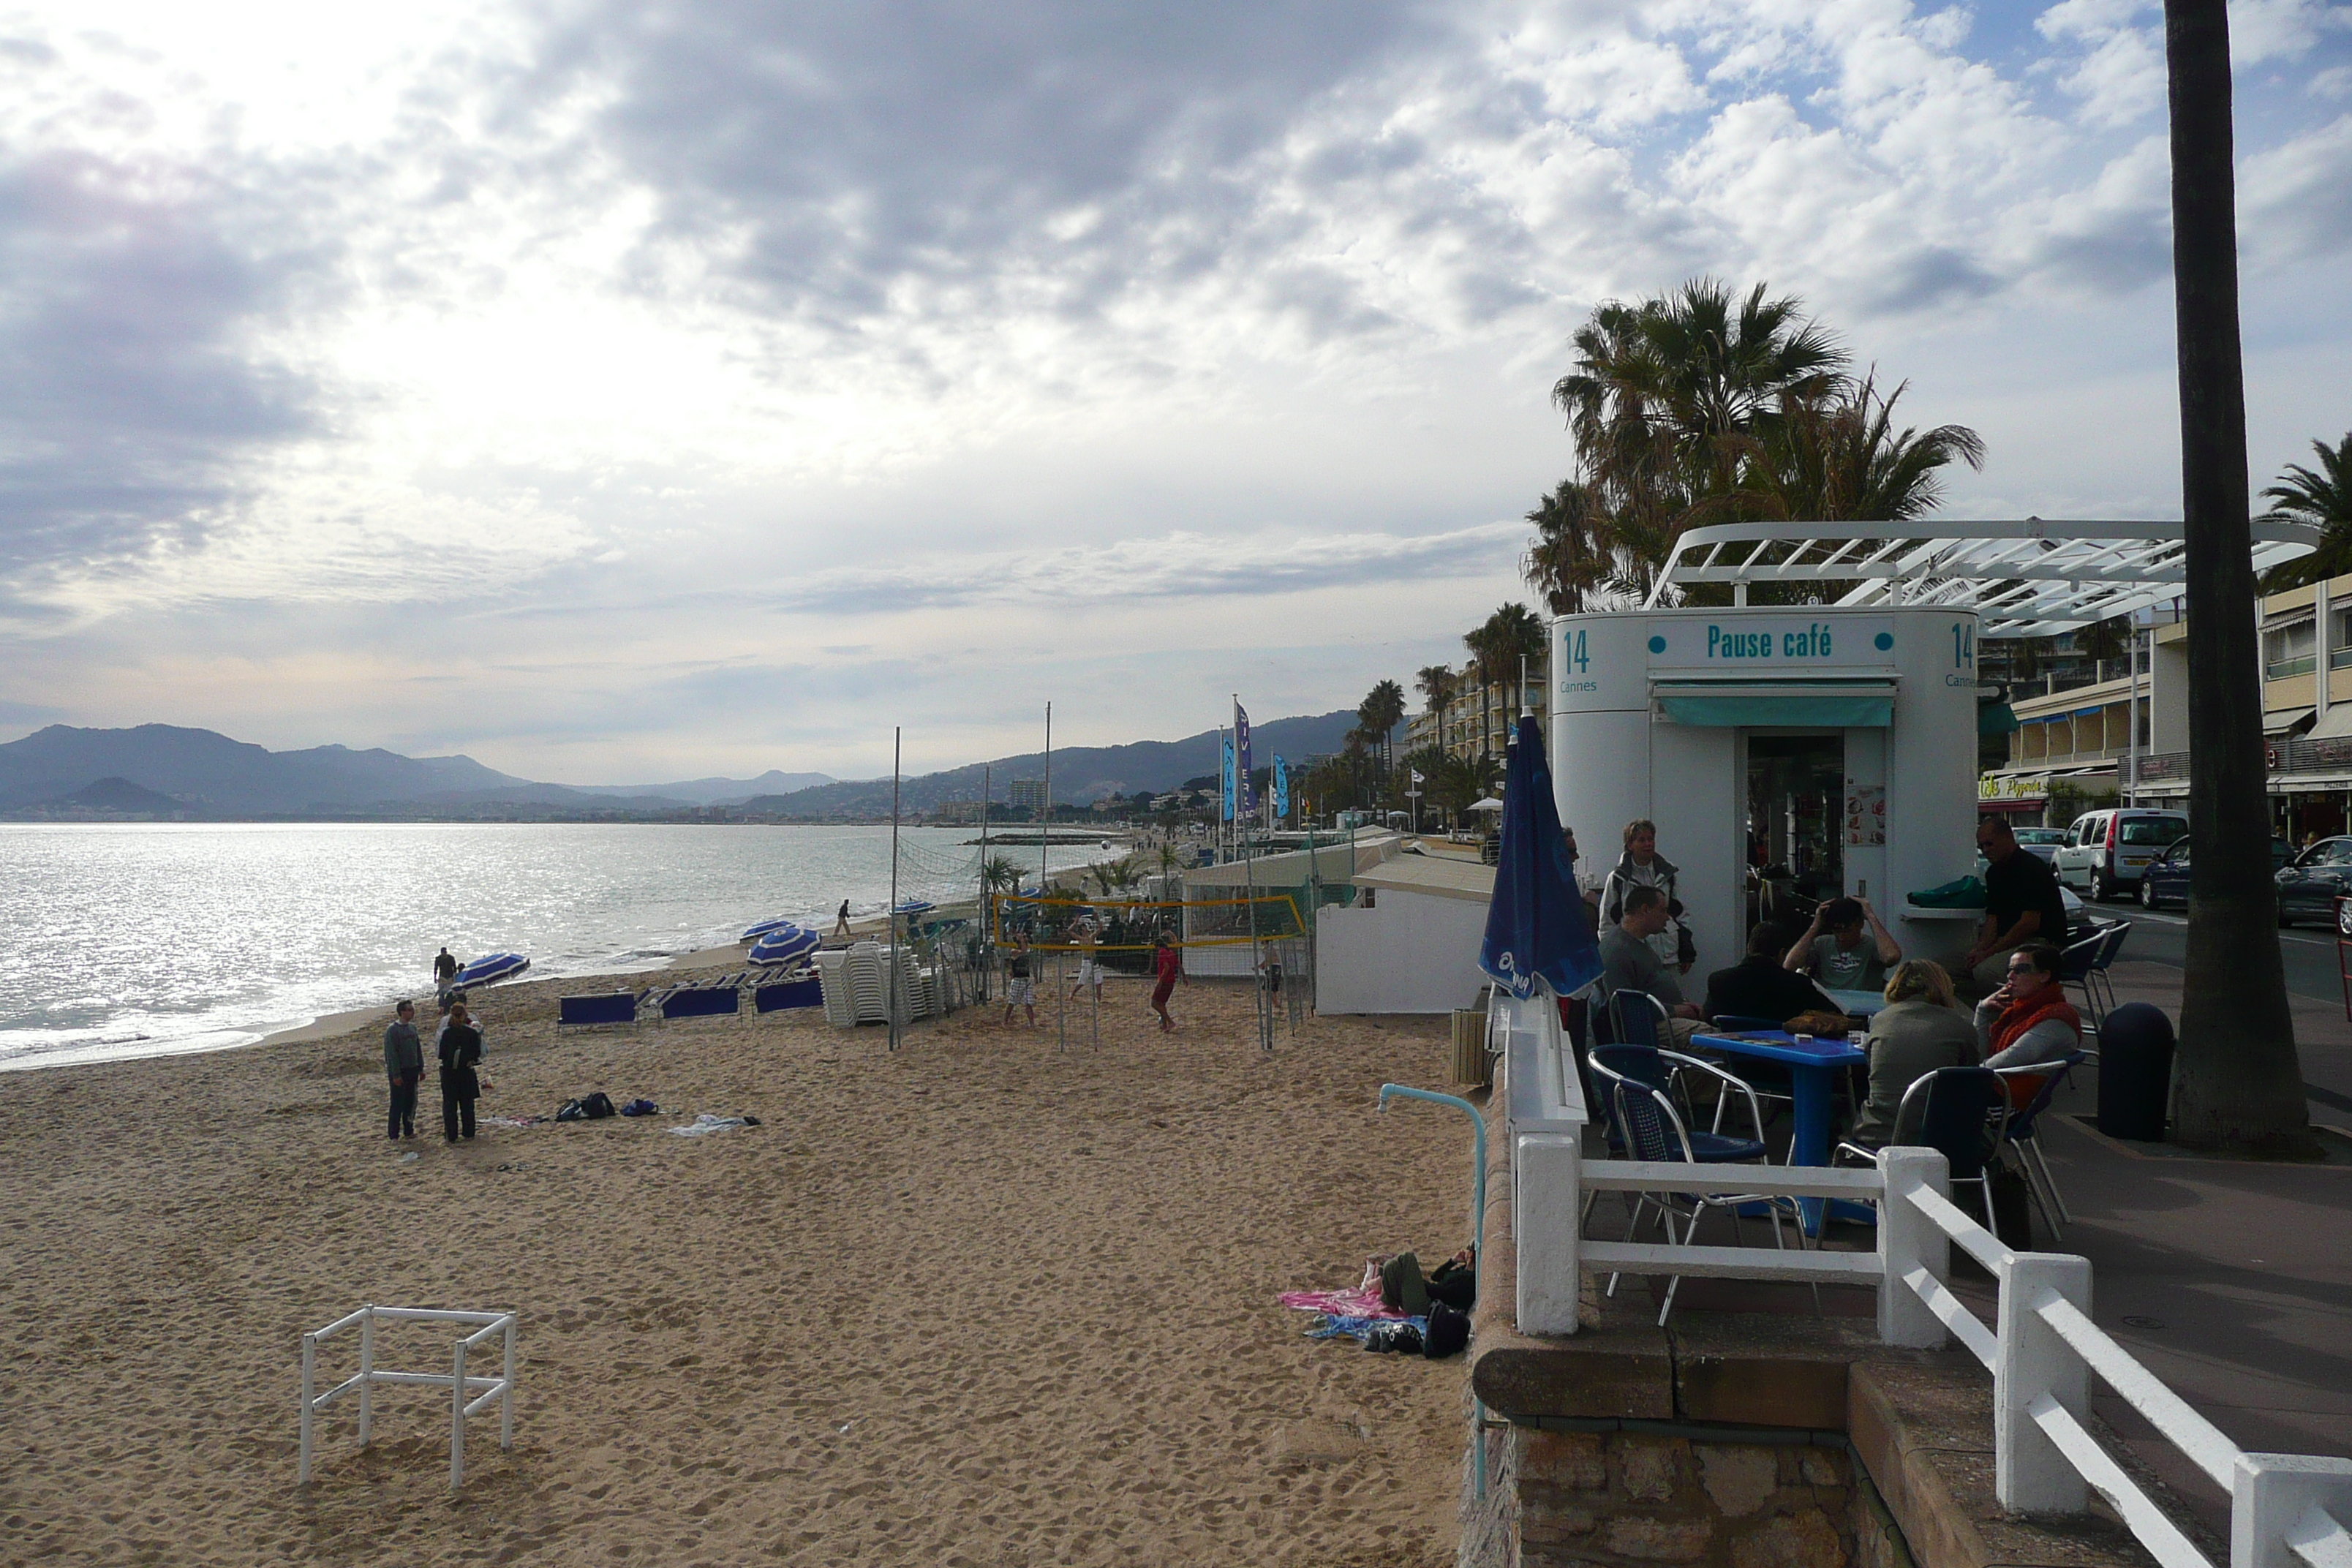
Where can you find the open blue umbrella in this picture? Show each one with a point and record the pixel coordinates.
(786, 945)
(1535, 923)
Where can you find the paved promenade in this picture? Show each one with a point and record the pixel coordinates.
(2230, 1281)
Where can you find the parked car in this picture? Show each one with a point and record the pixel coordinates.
(2041, 841)
(2105, 851)
(2310, 883)
(2166, 880)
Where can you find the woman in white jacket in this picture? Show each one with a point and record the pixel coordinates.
(1643, 867)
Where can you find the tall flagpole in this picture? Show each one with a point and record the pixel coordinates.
(898, 949)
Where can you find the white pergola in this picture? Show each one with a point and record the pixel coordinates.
(2027, 578)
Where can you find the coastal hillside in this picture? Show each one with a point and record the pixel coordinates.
(1081, 774)
(207, 774)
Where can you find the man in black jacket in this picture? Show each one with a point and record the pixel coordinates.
(403, 1064)
(1758, 986)
(461, 1047)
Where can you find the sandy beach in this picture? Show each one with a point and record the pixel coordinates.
(978, 1301)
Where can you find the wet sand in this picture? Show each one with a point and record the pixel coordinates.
(977, 1301)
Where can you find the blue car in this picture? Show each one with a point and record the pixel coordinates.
(2166, 882)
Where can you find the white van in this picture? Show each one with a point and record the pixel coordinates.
(2105, 851)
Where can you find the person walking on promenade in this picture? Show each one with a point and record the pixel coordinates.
(404, 1064)
(445, 970)
(841, 920)
(1020, 990)
(461, 1047)
(1168, 965)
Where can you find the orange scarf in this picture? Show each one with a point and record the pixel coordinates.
(2022, 1015)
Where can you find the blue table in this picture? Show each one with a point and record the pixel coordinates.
(1813, 1075)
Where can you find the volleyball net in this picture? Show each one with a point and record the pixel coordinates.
(1071, 922)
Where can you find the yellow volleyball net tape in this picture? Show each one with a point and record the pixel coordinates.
(1134, 925)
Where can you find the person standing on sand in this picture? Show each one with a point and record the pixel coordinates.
(461, 1047)
(1088, 937)
(1168, 963)
(841, 920)
(445, 970)
(404, 1064)
(1020, 990)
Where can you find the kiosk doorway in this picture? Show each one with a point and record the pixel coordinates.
(1796, 797)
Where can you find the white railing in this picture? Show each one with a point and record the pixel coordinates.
(2041, 1347)
(484, 1389)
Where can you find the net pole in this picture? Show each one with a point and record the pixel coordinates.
(1045, 811)
(987, 917)
(895, 731)
(1249, 884)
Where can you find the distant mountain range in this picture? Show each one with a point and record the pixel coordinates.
(164, 770)
(201, 773)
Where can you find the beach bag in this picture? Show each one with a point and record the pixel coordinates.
(1448, 1331)
(641, 1108)
(1960, 893)
(596, 1107)
(570, 1111)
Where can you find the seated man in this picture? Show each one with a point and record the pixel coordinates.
(2029, 1020)
(1758, 986)
(1845, 948)
(2021, 904)
(1628, 961)
(1919, 1029)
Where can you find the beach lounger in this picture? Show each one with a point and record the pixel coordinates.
(702, 1001)
(808, 992)
(613, 1007)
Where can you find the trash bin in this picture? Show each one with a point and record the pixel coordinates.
(2135, 1072)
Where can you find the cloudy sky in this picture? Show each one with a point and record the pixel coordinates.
(622, 390)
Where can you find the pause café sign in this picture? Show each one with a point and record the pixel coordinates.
(1750, 642)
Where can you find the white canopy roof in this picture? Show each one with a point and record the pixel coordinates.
(2026, 578)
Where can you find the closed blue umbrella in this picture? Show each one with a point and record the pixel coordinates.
(1535, 923)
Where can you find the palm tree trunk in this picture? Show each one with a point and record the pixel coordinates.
(2237, 1082)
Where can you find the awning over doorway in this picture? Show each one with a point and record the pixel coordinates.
(1791, 704)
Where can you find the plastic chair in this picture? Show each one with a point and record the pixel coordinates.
(1655, 1133)
(1962, 1113)
(2021, 1135)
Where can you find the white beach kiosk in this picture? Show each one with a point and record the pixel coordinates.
(1838, 739)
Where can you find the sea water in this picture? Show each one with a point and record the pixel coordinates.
(151, 939)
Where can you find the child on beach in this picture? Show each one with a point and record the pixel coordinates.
(1168, 963)
(1020, 990)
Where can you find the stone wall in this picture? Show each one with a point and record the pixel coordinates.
(1633, 1500)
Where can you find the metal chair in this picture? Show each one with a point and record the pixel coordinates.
(1962, 1113)
(2020, 1134)
(2098, 989)
(1652, 1133)
(2078, 965)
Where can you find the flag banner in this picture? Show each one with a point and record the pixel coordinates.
(1226, 802)
(1281, 787)
(1242, 753)
(1417, 776)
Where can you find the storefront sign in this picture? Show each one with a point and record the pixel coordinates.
(1752, 645)
(2013, 786)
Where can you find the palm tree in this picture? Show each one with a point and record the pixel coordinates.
(1381, 710)
(1574, 552)
(2236, 1083)
(1496, 647)
(1664, 399)
(2323, 499)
